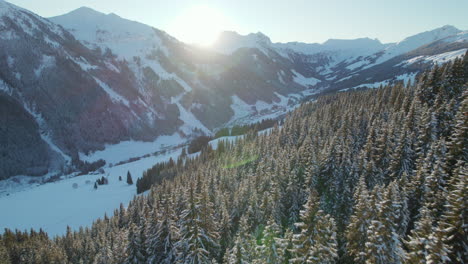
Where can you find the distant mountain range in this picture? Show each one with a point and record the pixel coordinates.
(75, 83)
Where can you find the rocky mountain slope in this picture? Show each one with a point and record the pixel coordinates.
(78, 82)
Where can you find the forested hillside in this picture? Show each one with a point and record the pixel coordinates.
(374, 176)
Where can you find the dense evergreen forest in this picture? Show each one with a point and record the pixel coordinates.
(374, 176)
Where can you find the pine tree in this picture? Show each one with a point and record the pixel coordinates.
(285, 246)
(437, 249)
(163, 236)
(198, 238)
(4, 258)
(402, 158)
(119, 246)
(434, 189)
(325, 246)
(457, 149)
(129, 178)
(244, 246)
(383, 245)
(361, 218)
(104, 254)
(453, 222)
(303, 241)
(400, 196)
(424, 244)
(136, 248)
(225, 236)
(268, 250)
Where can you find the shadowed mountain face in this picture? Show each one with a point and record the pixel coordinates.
(85, 79)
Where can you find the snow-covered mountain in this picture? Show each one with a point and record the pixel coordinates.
(230, 41)
(85, 80)
(124, 37)
(337, 57)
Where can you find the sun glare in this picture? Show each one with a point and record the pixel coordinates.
(199, 25)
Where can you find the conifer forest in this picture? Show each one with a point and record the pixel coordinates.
(366, 176)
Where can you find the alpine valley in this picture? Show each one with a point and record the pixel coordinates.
(120, 144)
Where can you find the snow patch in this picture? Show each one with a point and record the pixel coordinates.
(248, 114)
(10, 60)
(356, 65)
(8, 35)
(112, 94)
(346, 78)
(241, 109)
(132, 149)
(83, 63)
(112, 67)
(435, 59)
(407, 78)
(5, 87)
(190, 121)
(280, 77)
(304, 81)
(46, 62)
(460, 37)
(447, 56)
(44, 130)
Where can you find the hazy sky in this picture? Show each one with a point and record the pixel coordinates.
(281, 20)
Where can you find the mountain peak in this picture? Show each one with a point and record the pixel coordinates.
(449, 27)
(446, 30)
(431, 35)
(230, 41)
(84, 12)
(260, 37)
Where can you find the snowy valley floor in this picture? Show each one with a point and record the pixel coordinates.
(53, 206)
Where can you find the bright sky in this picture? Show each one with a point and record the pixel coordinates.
(199, 21)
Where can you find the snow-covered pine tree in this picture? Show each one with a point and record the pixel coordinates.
(356, 233)
(402, 158)
(135, 249)
(198, 238)
(163, 236)
(453, 224)
(434, 189)
(119, 246)
(268, 250)
(284, 247)
(324, 249)
(303, 241)
(243, 249)
(457, 149)
(224, 231)
(384, 245)
(401, 196)
(424, 243)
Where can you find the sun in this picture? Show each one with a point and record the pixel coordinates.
(199, 25)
